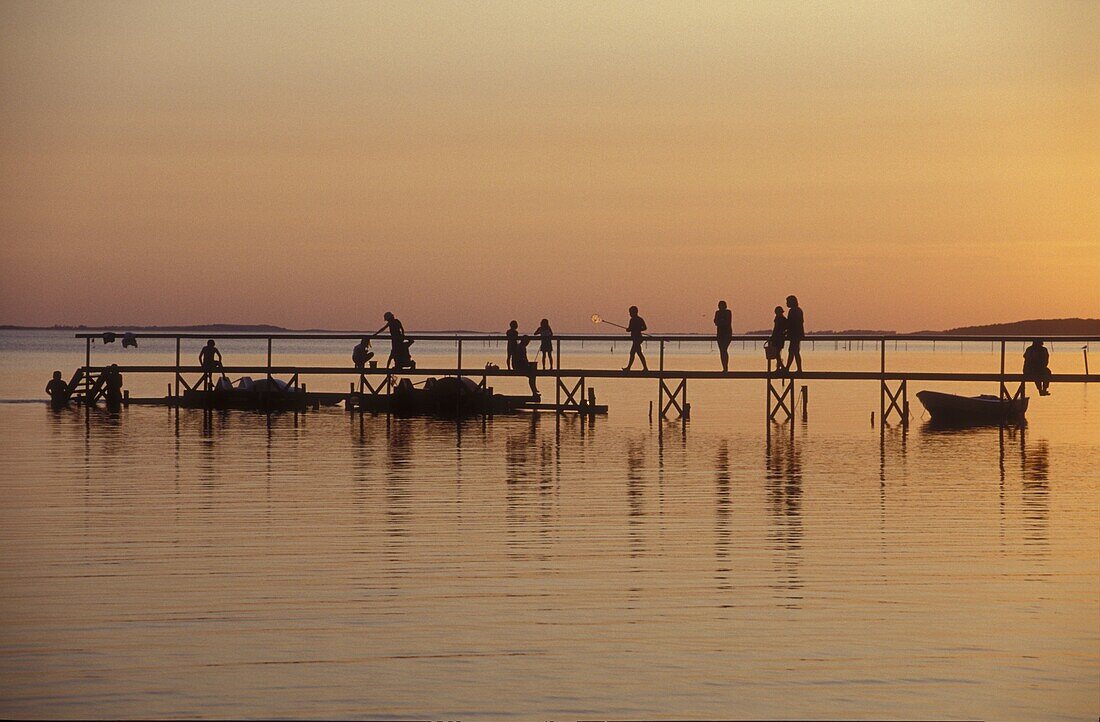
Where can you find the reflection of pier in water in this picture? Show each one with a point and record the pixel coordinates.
(784, 489)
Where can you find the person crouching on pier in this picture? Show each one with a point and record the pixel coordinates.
(635, 327)
(1037, 366)
(796, 331)
(210, 359)
(58, 391)
(361, 354)
(521, 364)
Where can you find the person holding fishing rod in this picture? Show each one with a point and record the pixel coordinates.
(635, 327)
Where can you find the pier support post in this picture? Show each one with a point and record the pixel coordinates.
(896, 401)
(571, 396)
(669, 398)
(780, 398)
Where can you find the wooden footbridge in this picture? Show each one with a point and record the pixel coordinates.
(573, 392)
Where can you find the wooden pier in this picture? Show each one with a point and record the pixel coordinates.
(572, 390)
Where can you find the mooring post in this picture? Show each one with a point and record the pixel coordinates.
(269, 361)
(460, 357)
(177, 367)
(882, 389)
(1085, 351)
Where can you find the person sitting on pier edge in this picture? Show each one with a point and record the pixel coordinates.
(1037, 366)
(58, 391)
(512, 335)
(113, 385)
(546, 345)
(361, 354)
(521, 364)
(796, 331)
(399, 345)
(723, 322)
(636, 326)
(773, 347)
(210, 359)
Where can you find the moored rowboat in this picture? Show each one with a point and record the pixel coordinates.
(971, 409)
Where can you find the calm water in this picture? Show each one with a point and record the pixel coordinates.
(156, 563)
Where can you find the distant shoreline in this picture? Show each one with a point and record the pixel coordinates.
(1032, 327)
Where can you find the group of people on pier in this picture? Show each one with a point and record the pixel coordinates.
(788, 330)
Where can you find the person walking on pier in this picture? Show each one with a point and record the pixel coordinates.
(723, 322)
(58, 391)
(210, 359)
(635, 327)
(521, 364)
(512, 336)
(796, 331)
(400, 356)
(1037, 366)
(546, 345)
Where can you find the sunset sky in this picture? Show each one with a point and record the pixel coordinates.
(897, 165)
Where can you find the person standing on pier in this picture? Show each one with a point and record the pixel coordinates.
(546, 345)
(58, 391)
(796, 331)
(512, 336)
(399, 345)
(1037, 366)
(773, 347)
(635, 327)
(723, 322)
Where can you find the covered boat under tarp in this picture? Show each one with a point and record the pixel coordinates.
(450, 396)
(258, 395)
(983, 409)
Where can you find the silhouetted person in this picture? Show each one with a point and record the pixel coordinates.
(361, 354)
(796, 331)
(400, 356)
(522, 365)
(774, 350)
(512, 336)
(57, 390)
(210, 358)
(113, 385)
(635, 327)
(1037, 366)
(546, 344)
(723, 326)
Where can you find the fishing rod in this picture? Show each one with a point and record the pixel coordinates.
(598, 319)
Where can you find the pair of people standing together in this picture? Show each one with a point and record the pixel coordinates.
(787, 329)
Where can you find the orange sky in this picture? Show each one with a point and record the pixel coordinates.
(897, 165)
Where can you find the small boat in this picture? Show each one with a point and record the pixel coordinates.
(951, 408)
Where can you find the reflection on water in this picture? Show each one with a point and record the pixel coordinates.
(784, 486)
(331, 564)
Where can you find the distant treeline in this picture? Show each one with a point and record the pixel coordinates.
(1036, 327)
